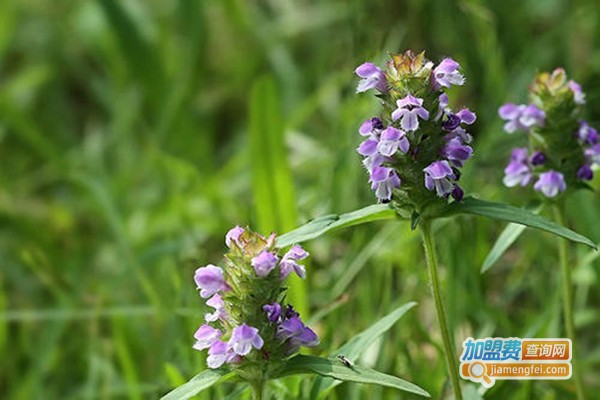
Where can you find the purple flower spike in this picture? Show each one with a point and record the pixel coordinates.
(587, 134)
(578, 95)
(243, 338)
(409, 111)
(205, 336)
(289, 262)
(537, 158)
(218, 304)
(383, 180)
(367, 148)
(446, 74)
(550, 183)
(233, 236)
(210, 280)
(391, 140)
(273, 311)
(585, 173)
(521, 117)
(437, 176)
(217, 354)
(372, 78)
(264, 263)
(457, 152)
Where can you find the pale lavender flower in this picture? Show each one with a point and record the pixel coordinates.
(264, 263)
(438, 176)
(446, 74)
(457, 152)
(521, 117)
(294, 329)
(210, 280)
(409, 111)
(391, 140)
(587, 134)
(243, 338)
(289, 262)
(593, 153)
(578, 95)
(383, 180)
(519, 154)
(517, 173)
(217, 354)
(372, 78)
(371, 127)
(368, 148)
(585, 173)
(205, 336)
(443, 108)
(550, 183)
(218, 304)
(466, 116)
(273, 311)
(233, 236)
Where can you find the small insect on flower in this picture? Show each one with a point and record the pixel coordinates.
(345, 361)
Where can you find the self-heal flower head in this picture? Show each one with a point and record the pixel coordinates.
(392, 140)
(562, 148)
(550, 183)
(209, 280)
(243, 339)
(264, 263)
(247, 297)
(205, 336)
(383, 180)
(402, 158)
(409, 111)
(438, 176)
(521, 117)
(446, 74)
(372, 78)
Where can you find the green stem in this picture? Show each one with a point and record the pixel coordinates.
(258, 389)
(439, 305)
(567, 299)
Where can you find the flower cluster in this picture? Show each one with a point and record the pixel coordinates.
(562, 147)
(251, 328)
(413, 151)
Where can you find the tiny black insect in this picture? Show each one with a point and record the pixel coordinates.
(345, 361)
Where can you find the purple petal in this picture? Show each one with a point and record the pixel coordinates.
(367, 70)
(367, 148)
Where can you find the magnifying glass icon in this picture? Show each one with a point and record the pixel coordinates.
(478, 370)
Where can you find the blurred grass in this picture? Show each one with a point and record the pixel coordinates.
(128, 150)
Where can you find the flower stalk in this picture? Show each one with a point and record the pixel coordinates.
(567, 298)
(430, 255)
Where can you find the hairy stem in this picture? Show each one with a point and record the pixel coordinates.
(429, 245)
(567, 299)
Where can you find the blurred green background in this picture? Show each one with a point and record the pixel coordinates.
(134, 134)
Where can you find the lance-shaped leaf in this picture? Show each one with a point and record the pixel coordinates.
(198, 383)
(327, 223)
(336, 369)
(358, 344)
(504, 212)
(508, 236)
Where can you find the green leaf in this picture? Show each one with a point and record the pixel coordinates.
(359, 343)
(334, 368)
(504, 212)
(508, 236)
(327, 223)
(200, 382)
